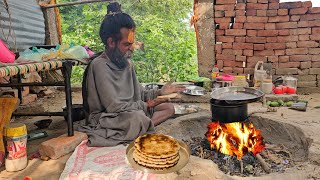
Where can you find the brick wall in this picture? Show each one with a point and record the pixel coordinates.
(287, 34)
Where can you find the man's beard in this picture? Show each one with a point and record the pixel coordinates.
(119, 59)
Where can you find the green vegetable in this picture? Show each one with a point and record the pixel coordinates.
(268, 103)
(274, 104)
(317, 107)
(281, 103)
(289, 103)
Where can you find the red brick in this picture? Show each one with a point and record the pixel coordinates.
(241, 58)
(240, 39)
(254, 25)
(232, 63)
(291, 45)
(227, 46)
(310, 17)
(231, 52)
(256, 39)
(29, 99)
(236, 32)
(288, 38)
(272, 12)
(284, 59)
(224, 38)
(222, 20)
(314, 50)
(283, 12)
(238, 26)
(264, 53)
(258, 47)
(316, 65)
(255, 59)
(242, 45)
(225, 57)
(219, 32)
(289, 65)
(295, 18)
(303, 24)
(278, 52)
(273, 59)
(296, 51)
(252, 1)
(241, 19)
(218, 14)
(248, 70)
(298, 58)
(251, 12)
(268, 33)
(257, 6)
(268, 26)
(224, 7)
(272, 39)
(309, 44)
(313, 23)
(224, 25)
(241, 6)
(257, 19)
(240, 12)
(279, 19)
(315, 57)
(284, 32)
(226, 2)
(252, 33)
(274, 6)
(307, 4)
(263, 1)
(314, 10)
(305, 65)
(248, 52)
(304, 37)
(287, 25)
(262, 13)
(273, 1)
(275, 46)
(316, 30)
(218, 48)
(220, 64)
(227, 69)
(290, 5)
(229, 13)
(62, 145)
(315, 37)
(237, 70)
(300, 31)
(300, 11)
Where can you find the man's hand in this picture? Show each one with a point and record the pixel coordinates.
(169, 88)
(155, 102)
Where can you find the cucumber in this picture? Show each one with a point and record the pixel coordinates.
(289, 103)
(268, 103)
(274, 104)
(281, 103)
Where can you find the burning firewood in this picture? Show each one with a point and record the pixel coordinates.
(264, 165)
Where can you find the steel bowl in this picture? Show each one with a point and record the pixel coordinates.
(194, 90)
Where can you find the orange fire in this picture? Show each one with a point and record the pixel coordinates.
(235, 138)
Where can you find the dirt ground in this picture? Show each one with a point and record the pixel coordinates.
(308, 121)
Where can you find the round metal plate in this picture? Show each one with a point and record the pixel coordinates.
(184, 153)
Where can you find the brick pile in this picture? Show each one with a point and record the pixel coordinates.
(286, 34)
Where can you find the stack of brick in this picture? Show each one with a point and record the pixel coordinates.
(286, 34)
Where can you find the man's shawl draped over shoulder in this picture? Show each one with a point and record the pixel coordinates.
(115, 103)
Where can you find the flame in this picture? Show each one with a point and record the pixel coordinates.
(235, 138)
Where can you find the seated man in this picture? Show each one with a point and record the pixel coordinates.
(119, 109)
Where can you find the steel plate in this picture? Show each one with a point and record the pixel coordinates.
(184, 153)
(235, 95)
(194, 90)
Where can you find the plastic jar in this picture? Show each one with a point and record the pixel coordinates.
(240, 81)
(16, 143)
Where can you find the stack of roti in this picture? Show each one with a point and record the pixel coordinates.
(156, 151)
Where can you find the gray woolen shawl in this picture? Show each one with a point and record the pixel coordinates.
(117, 109)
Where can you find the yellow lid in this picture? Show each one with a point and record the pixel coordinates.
(15, 130)
(240, 77)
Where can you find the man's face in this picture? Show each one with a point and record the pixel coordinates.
(123, 49)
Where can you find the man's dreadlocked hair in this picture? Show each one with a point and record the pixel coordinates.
(113, 21)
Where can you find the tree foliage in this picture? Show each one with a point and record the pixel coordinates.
(162, 25)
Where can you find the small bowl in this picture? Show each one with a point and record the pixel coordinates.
(42, 124)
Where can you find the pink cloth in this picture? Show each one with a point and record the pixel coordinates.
(6, 56)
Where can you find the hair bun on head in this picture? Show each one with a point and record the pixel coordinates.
(114, 7)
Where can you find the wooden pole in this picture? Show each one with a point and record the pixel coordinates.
(74, 3)
(264, 165)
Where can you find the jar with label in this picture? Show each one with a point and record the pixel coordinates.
(16, 143)
(240, 81)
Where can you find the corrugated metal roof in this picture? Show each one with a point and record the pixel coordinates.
(27, 23)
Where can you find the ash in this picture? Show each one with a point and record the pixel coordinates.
(277, 157)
